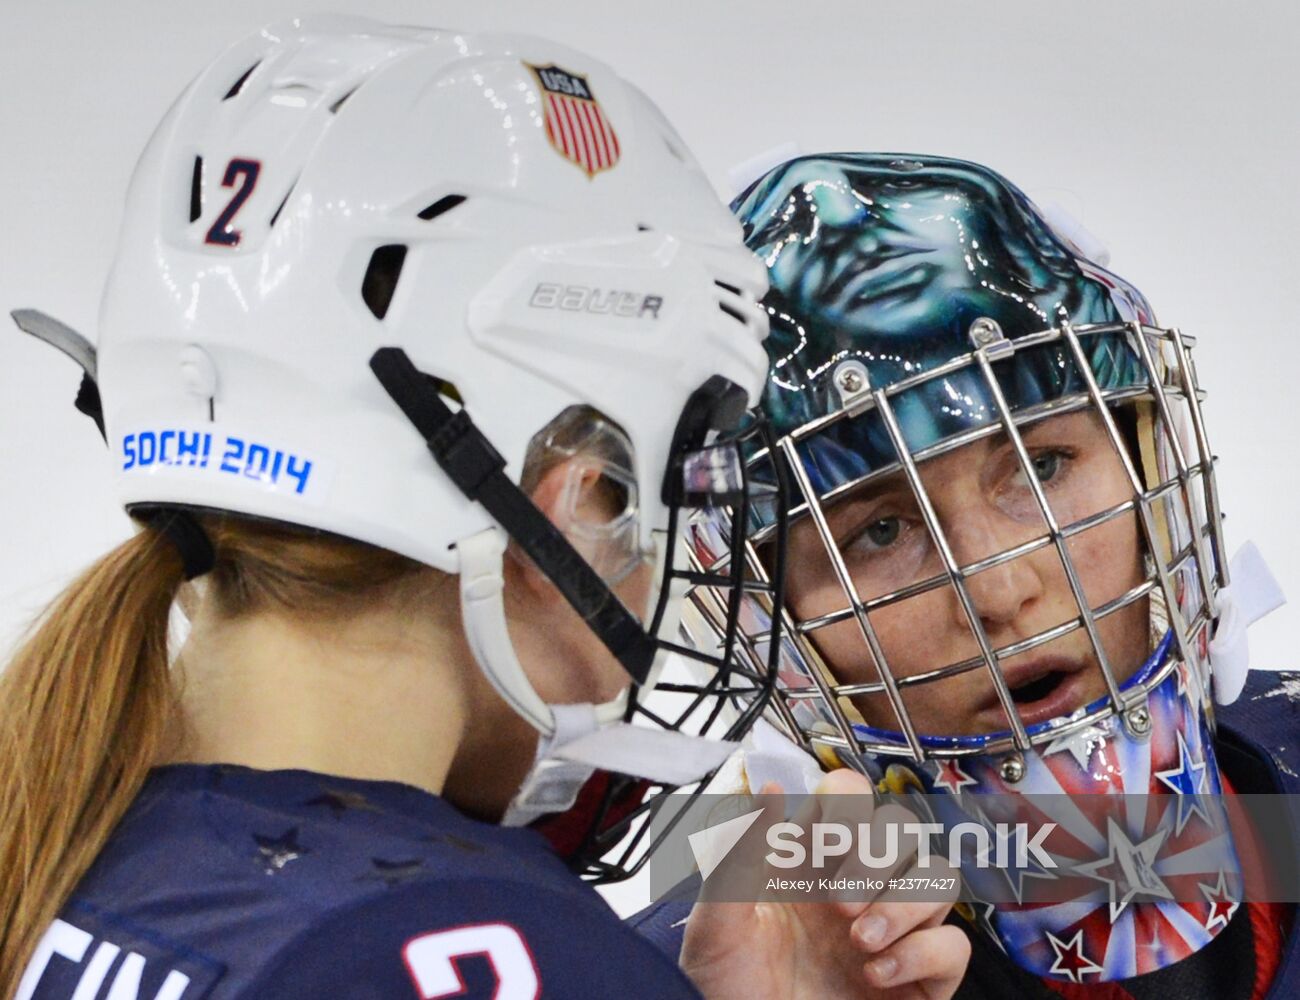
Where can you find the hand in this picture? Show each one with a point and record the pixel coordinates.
(818, 951)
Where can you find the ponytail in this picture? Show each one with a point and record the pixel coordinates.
(85, 709)
(87, 705)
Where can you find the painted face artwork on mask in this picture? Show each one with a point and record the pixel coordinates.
(1004, 547)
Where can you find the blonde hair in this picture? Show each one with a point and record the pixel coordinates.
(87, 705)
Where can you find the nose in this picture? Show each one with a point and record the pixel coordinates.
(1001, 593)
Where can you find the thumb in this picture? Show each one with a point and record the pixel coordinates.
(738, 875)
(727, 897)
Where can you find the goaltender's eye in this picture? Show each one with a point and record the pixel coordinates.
(882, 532)
(1046, 465)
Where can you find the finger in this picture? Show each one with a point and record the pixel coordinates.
(738, 875)
(887, 919)
(920, 897)
(888, 851)
(846, 798)
(807, 823)
(717, 919)
(936, 957)
(845, 781)
(756, 857)
(891, 852)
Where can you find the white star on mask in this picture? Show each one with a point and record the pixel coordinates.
(1128, 869)
(1081, 743)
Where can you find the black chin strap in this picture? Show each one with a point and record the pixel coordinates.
(477, 469)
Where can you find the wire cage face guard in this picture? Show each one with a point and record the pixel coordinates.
(1172, 496)
(727, 684)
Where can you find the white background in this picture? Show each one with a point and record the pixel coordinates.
(1169, 128)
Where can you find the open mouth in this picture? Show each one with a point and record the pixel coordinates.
(1039, 688)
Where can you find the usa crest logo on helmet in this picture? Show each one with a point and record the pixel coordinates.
(575, 122)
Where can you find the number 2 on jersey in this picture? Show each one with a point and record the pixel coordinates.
(244, 173)
(431, 959)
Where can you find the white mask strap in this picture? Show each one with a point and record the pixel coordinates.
(1253, 594)
(552, 785)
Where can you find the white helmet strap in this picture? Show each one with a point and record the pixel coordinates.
(483, 611)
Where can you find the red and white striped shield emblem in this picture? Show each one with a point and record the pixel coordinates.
(575, 123)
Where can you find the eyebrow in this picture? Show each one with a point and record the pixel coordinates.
(895, 482)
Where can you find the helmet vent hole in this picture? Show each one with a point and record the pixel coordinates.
(380, 282)
(735, 314)
(238, 85)
(284, 201)
(447, 390)
(196, 190)
(334, 108)
(641, 227)
(441, 206)
(672, 148)
(731, 311)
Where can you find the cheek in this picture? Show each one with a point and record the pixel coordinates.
(1096, 485)
(908, 635)
(636, 589)
(1108, 559)
(812, 589)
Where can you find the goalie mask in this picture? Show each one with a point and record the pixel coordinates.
(367, 271)
(1005, 547)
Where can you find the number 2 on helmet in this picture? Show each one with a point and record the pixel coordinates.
(244, 173)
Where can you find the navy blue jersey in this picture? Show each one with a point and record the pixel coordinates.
(225, 882)
(1258, 748)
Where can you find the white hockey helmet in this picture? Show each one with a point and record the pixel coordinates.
(491, 219)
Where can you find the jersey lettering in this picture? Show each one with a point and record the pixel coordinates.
(431, 960)
(70, 943)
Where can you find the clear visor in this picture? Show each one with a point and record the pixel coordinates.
(599, 507)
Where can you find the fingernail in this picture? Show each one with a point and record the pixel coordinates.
(883, 969)
(873, 929)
